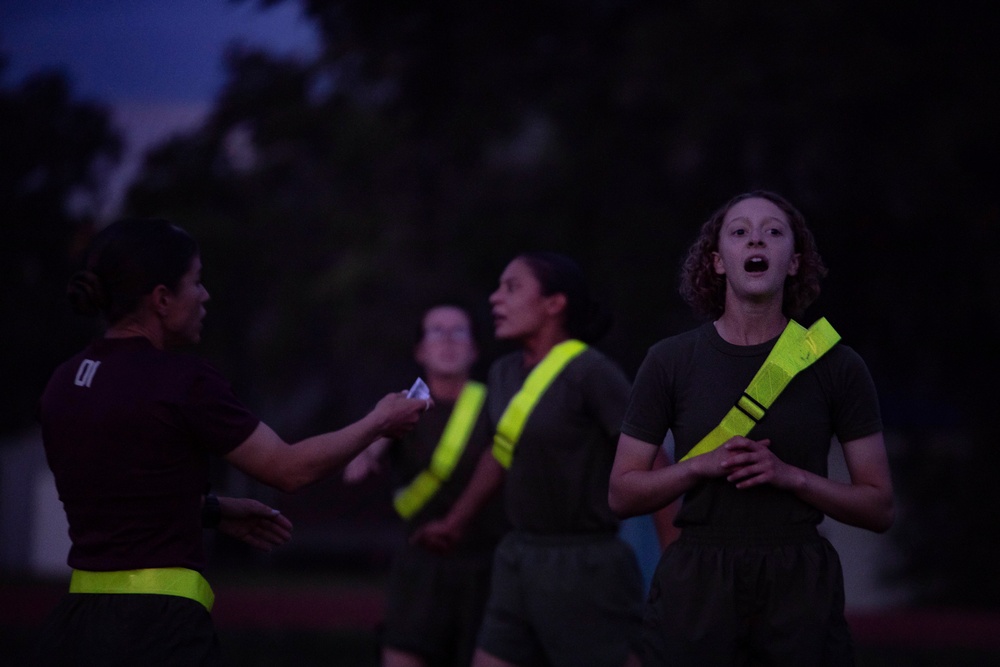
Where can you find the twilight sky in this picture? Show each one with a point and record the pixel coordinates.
(156, 63)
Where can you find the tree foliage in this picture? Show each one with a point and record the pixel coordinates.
(431, 141)
(55, 156)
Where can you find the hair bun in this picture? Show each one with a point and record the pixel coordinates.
(86, 293)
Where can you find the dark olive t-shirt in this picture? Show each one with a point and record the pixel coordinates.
(558, 478)
(687, 384)
(128, 430)
(412, 455)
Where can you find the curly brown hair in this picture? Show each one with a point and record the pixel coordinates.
(705, 290)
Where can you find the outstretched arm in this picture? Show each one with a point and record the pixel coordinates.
(367, 462)
(866, 501)
(269, 459)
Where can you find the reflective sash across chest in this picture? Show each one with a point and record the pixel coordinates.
(796, 349)
(410, 499)
(512, 421)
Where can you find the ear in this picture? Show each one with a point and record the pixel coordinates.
(555, 303)
(793, 266)
(161, 298)
(717, 264)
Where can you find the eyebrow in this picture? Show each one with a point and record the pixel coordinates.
(770, 218)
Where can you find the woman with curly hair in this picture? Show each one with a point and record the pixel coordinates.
(753, 401)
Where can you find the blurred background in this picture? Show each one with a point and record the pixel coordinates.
(343, 164)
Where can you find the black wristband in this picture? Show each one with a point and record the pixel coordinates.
(211, 512)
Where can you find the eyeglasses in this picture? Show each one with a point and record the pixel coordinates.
(437, 334)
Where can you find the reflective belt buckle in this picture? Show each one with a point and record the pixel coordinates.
(751, 408)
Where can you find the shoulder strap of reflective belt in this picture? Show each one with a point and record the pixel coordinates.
(411, 498)
(797, 348)
(512, 421)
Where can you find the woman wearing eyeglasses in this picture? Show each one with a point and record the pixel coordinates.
(435, 601)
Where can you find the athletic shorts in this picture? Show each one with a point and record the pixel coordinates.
(127, 630)
(435, 604)
(742, 597)
(572, 601)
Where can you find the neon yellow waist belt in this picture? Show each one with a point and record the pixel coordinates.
(178, 581)
(795, 350)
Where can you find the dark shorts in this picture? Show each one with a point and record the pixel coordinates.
(573, 601)
(731, 597)
(112, 630)
(435, 604)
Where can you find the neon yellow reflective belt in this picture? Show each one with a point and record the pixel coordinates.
(178, 581)
(409, 500)
(512, 421)
(797, 348)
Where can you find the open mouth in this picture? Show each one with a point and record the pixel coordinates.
(755, 265)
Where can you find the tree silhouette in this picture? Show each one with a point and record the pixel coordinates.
(55, 156)
(431, 141)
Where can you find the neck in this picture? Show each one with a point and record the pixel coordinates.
(749, 325)
(446, 387)
(535, 347)
(134, 328)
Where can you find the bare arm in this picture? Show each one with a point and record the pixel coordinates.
(865, 502)
(269, 459)
(367, 462)
(663, 518)
(445, 533)
(637, 486)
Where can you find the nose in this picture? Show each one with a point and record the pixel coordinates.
(755, 237)
(495, 297)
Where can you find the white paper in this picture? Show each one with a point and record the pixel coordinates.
(419, 390)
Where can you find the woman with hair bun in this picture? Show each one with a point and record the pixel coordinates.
(753, 401)
(566, 590)
(128, 427)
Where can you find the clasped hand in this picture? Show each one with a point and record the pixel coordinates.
(747, 463)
